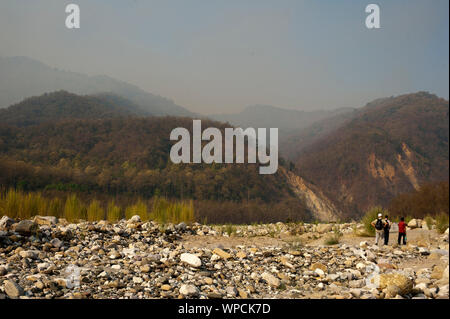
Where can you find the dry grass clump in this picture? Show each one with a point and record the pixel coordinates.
(113, 212)
(17, 204)
(164, 211)
(442, 222)
(95, 211)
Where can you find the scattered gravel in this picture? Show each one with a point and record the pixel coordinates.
(50, 258)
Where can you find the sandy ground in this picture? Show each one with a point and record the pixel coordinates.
(415, 237)
(418, 237)
(212, 242)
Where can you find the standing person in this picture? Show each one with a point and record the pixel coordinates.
(378, 224)
(387, 229)
(402, 231)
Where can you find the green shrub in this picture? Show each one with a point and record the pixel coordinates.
(333, 239)
(442, 222)
(429, 220)
(229, 229)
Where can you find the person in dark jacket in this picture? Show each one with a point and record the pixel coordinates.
(387, 229)
(402, 231)
(378, 224)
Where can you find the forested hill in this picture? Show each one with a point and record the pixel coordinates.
(391, 146)
(99, 145)
(62, 105)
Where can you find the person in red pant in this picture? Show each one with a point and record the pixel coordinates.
(402, 231)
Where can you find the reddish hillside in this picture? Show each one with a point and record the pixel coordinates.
(391, 146)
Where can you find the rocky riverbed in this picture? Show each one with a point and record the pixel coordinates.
(50, 258)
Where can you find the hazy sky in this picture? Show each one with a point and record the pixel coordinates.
(218, 56)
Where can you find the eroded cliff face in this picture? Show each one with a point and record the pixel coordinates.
(380, 169)
(389, 147)
(319, 205)
(406, 163)
(388, 173)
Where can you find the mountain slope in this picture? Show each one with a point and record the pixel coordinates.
(294, 144)
(391, 146)
(270, 116)
(295, 128)
(62, 105)
(22, 77)
(320, 206)
(93, 144)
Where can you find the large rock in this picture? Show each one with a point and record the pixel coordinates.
(26, 227)
(181, 226)
(393, 291)
(320, 266)
(324, 228)
(135, 219)
(414, 223)
(12, 289)
(55, 242)
(188, 290)
(221, 253)
(437, 273)
(443, 292)
(191, 260)
(32, 254)
(271, 279)
(445, 274)
(404, 284)
(45, 220)
(6, 223)
(43, 266)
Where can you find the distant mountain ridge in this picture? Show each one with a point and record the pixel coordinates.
(295, 143)
(271, 116)
(289, 123)
(22, 77)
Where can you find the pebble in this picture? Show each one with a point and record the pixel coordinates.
(191, 260)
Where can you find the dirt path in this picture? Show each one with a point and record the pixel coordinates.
(418, 237)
